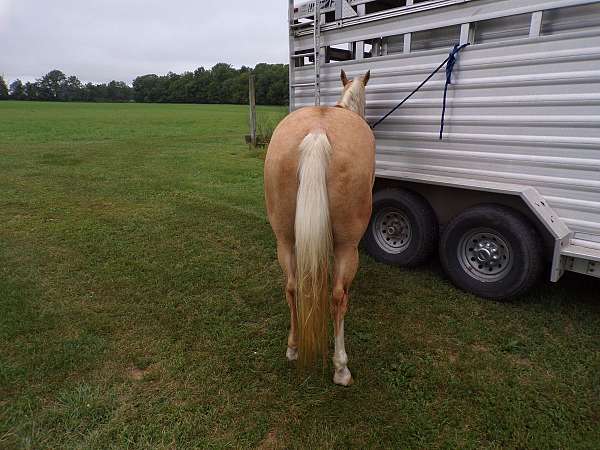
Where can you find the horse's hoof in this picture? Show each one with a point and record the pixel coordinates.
(343, 377)
(291, 354)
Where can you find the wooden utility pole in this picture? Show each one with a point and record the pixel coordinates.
(252, 99)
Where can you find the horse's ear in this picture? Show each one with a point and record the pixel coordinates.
(366, 78)
(344, 78)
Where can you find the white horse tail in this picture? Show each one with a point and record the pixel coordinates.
(314, 245)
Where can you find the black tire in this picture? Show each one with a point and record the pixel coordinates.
(418, 223)
(492, 251)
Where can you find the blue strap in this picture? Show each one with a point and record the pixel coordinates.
(451, 61)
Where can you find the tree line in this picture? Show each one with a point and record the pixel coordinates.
(56, 86)
(220, 84)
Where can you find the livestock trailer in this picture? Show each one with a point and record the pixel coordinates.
(513, 188)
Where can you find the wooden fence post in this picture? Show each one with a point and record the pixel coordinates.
(252, 99)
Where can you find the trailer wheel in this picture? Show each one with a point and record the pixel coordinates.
(491, 251)
(403, 229)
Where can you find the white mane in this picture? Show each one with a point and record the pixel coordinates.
(353, 97)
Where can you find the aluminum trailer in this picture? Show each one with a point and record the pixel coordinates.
(514, 186)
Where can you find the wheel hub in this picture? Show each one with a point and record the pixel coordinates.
(395, 229)
(392, 230)
(485, 255)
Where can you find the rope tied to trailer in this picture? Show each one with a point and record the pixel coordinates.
(449, 62)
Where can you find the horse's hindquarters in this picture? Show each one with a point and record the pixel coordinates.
(345, 182)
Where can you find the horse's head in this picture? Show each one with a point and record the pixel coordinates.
(353, 95)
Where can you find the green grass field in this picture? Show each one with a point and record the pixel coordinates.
(141, 306)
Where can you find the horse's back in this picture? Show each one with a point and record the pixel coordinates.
(349, 175)
(351, 140)
(347, 132)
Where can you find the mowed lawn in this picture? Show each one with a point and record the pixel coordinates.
(141, 306)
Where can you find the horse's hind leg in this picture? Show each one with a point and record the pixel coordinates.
(285, 254)
(346, 264)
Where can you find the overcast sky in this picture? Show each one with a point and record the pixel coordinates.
(104, 40)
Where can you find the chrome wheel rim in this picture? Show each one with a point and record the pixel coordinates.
(391, 230)
(485, 254)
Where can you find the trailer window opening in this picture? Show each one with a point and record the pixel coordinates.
(394, 44)
(501, 29)
(303, 61)
(570, 18)
(375, 46)
(340, 52)
(329, 17)
(435, 38)
(382, 5)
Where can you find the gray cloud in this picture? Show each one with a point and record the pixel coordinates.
(102, 40)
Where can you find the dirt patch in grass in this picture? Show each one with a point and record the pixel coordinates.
(270, 442)
(136, 374)
(480, 348)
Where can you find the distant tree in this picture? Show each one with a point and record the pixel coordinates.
(220, 78)
(271, 84)
(118, 91)
(3, 89)
(181, 88)
(52, 86)
(146, 88)
(71, 90)
(32, 91)
(88, 93)
(200, 85)
(17, 90)
(99, 93)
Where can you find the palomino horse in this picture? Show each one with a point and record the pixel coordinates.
(319, 174)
